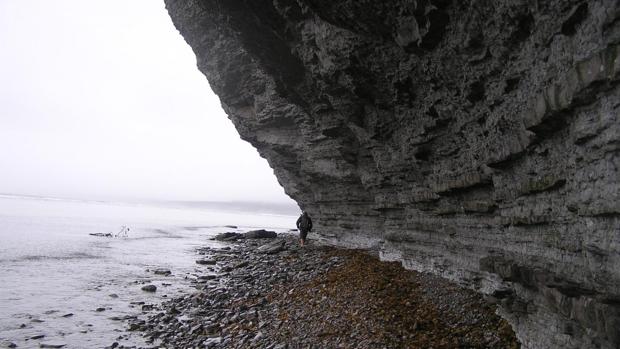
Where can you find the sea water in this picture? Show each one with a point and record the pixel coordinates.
(60, 282)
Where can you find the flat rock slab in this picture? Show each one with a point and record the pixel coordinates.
(229, 236)
(271, 248)
(260, 234)
(206, 261)
(52, 345)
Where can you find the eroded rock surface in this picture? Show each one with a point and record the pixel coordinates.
(479, 140)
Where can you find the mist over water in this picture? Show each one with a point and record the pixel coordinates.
(102, 99)
(50, 266)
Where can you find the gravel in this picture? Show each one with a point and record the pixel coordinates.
(318, 297)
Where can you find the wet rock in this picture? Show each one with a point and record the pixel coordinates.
(229, 236)
(121, 318)
(261, 305)
(212, 342)
(68, 315)
(7, 344)
(241, 265)
(107, 235)
(149, 288)
(37, 336)
(206, 261)
(162, 271)
(113, 295)
(260, 234)
(100, 309)
(271, 248)
(207, 277)
(52, 345)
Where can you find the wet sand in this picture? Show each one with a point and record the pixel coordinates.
(269, 293)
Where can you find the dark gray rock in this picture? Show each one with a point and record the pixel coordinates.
(149, 288)
(474, 140)
(106, 235)
(229, 236)
(7, 344)
(207, 277)
(271, 248)
(51, 344)
(162, 271)
(206, 261)
(241, 265)
(260, 234)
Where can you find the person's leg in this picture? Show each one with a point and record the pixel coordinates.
(302, 237)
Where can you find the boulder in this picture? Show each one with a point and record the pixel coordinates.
(162, 271)
(149, 288)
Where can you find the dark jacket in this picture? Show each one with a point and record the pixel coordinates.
(304, 223)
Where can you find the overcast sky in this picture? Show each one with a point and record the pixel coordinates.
(103, 100)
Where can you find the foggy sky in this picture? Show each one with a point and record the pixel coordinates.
(102, 100)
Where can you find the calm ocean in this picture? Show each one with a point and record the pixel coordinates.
(55, 278)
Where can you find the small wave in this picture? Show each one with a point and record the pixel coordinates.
(77, 255)
(166, 234)
(200, 227)
(162, 232)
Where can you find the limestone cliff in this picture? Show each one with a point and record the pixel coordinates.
(478, 140)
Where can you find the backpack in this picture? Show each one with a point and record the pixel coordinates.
(305, 223)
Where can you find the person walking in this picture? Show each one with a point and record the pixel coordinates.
(304, 224)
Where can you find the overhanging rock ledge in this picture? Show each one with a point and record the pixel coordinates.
(478, 140)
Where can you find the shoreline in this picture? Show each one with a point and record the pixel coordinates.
(269, 293)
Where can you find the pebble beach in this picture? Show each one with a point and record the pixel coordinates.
(261, 291)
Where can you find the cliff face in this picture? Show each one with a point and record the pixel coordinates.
(478, 140)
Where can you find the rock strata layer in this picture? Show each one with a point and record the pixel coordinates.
(478, 140)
